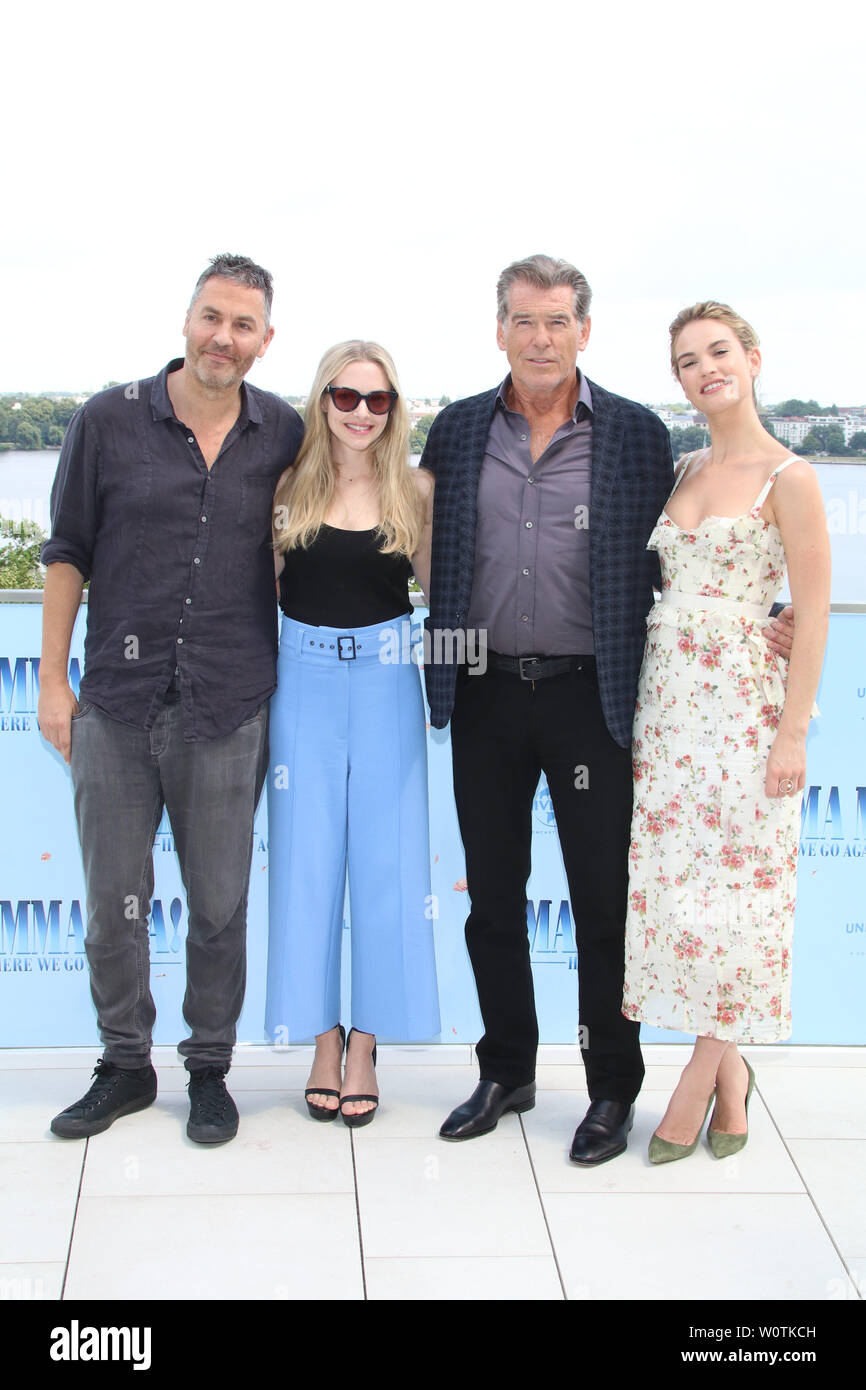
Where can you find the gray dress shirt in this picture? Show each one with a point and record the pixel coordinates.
(530, 589)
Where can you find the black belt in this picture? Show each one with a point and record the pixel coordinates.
(537, 668)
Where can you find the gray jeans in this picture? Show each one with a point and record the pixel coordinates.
(122, 778)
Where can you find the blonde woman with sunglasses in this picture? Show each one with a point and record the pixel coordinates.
(347, 787)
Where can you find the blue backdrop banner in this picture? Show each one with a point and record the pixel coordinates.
(44, 987)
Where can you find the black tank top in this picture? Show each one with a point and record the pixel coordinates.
(344, 580)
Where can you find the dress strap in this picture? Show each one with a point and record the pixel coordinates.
(762, 495)
(683, 470)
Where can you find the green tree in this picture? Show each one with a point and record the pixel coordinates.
(824, 439)
(20, 544)
(27, 435)
(685, 439)
(810, 445)
(834, 439)
(55, 437)
(797, 407)
(857, 442)
(444, 400)
(418, 437)
(39, 411)
(64, 409)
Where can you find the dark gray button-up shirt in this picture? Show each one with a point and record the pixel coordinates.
(178, 556)
(530, 589)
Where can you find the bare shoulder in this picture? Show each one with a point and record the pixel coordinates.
(796, 497)
(798, 478)
(424, 482)
(697, 456)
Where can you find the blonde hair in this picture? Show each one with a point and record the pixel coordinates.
(712, 309)
(302, 499)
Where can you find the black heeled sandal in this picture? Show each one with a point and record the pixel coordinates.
(365, 1117)
(321, 1112)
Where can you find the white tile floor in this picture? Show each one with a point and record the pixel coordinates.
(293, 1209)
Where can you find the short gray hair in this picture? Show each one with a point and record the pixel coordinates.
(244, 272)
(544, 273)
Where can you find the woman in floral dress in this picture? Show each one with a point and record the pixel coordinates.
(720, 739)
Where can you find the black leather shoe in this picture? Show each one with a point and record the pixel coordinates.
(482, 1111)
(114, 1092)
(602, 1133)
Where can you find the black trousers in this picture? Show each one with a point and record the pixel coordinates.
(504, 733)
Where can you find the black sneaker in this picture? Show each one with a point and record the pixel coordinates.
(213, 1115)
(114, 1093)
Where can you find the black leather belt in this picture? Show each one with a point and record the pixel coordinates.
(538, 668)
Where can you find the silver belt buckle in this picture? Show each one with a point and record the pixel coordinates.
(343, 653)
(521, 660)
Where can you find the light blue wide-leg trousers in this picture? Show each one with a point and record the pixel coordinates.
(347, 792)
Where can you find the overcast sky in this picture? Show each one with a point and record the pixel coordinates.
(385, 161)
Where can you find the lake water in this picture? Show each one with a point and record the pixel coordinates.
(26, 478)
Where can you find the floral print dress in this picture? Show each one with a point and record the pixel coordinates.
(713, 859)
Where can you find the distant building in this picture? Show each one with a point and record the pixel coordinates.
(794, 428)
(678, 419)
(419, 407)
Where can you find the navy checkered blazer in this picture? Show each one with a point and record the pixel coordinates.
(632, 476)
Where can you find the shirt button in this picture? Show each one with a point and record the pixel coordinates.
(189, 600)
(528, 527)
(180, 641)
(524, 617)
(530, 480)
(525, 572)
(190, 439)
(523, 436)
(196, 561)
(204, 518)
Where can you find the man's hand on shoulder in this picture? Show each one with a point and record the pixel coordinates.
(57, 704)
(780, 633)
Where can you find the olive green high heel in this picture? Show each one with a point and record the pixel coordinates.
(722, 1144)
(663, 1151)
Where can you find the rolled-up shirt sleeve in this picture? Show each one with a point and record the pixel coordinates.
(75, 498)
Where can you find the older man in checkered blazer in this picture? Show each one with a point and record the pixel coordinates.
(547, 488)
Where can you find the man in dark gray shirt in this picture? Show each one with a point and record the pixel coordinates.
(162, 501)
(546, 492)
